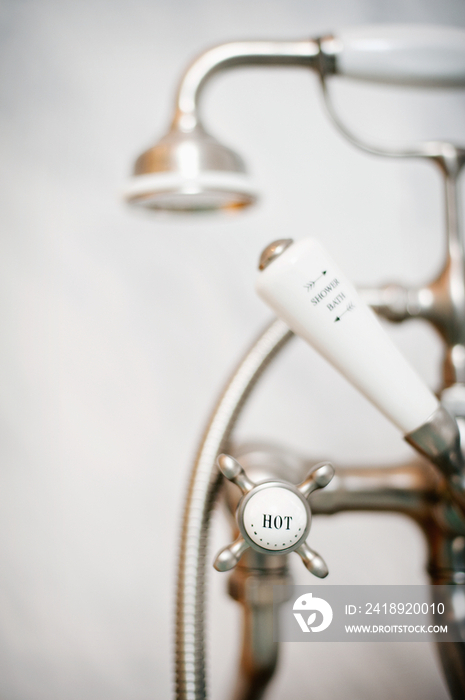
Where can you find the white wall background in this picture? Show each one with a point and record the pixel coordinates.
(118, 329)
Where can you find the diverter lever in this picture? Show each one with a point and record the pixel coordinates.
(308, 291)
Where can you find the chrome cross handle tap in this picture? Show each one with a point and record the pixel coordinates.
(273, 517)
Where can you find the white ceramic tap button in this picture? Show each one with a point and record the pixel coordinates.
(275, 518)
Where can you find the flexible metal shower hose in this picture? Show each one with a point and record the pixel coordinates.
(203, 488)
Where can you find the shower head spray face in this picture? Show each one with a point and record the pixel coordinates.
(190, 171)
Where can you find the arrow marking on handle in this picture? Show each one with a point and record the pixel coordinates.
(350, 306)
(310, 285)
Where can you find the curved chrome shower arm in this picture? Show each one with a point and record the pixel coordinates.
(232, 55)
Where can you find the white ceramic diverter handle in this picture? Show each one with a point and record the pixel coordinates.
(308, 291)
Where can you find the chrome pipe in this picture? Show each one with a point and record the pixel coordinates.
(442, 302)
(412, 489)
(253, 585)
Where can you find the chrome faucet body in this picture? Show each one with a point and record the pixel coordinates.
(416, 490)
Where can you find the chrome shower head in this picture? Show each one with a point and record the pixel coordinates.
(190, 171)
